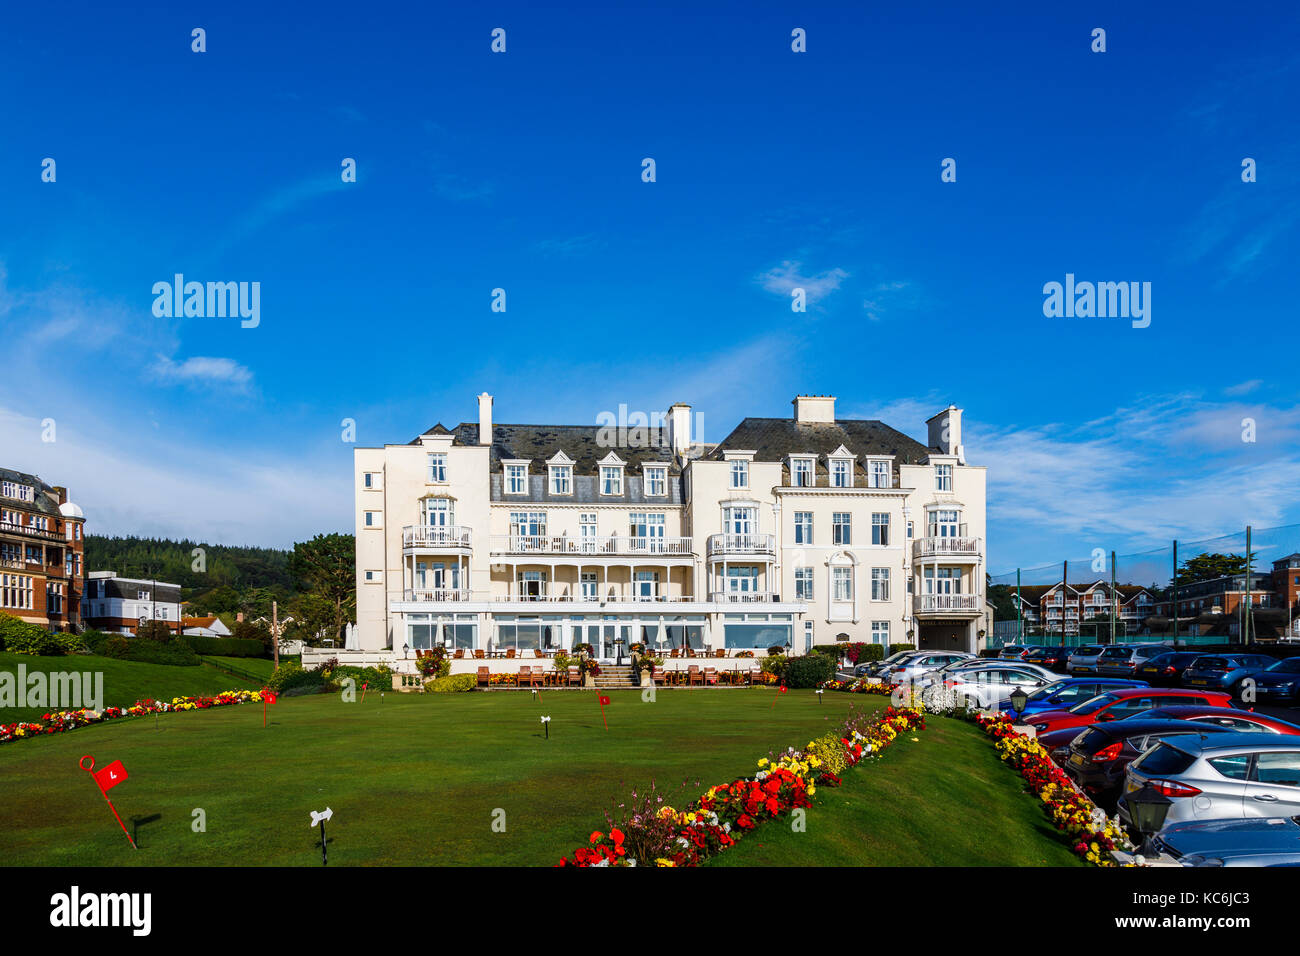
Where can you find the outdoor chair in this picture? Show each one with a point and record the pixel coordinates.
(720, 652)
(710, 675)
(575, 675)
(693, 675)
(661, 676)
(460, 654)
(484, 677)
(510, 652)
(525, 676)
(478, 655)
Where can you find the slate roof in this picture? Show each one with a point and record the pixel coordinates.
(582, 443)
(44, 502)
(773, 439)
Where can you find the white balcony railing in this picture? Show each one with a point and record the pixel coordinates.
(436, 595)
(634, 545)
(436, 536)
(564, 596)
(720, 544)
(742, 597)
(945, 547)
(945, 603)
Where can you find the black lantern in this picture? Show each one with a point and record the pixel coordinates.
(1148, 808)
(1019, 700)
(405, 648)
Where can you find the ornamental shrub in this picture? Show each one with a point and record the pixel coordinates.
(377, 678)
(830, 751)
(809, 671)
(899, 648)
(116, 647)
(773, 665)
(290, 675)
(20, 637)
(175, 653)
(225, 646)
(455, 683)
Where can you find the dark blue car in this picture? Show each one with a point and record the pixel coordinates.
(1280, 684)
(1064, 694)
(1225, 671)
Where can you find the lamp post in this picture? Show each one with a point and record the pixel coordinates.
(1148, 807)
(405, 649)
(1019, 700)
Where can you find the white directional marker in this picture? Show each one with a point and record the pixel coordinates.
(325, 814)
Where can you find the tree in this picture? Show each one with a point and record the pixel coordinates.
(155, 631)
(1207, 567)
(327, 566)
(1003, 599)
(252, 631)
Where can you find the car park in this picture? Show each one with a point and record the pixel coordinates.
(1083, 660)
(1242, 721)
(1166, 669)
(1013, 652)
(1097, 758)
(1066, 692)
(1053, 658)
(1121, 704)
(1219, 777)
(914, 666)
(1280, 683)
(991, 683)
(873, 668)
(1225, 671)
(1254, 841)
(1123, 660)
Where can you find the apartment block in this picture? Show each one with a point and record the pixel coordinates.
(42, 550)
(119, 605)
(789, 532)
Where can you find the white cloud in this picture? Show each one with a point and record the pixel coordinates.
(789, 275)
(203, 370)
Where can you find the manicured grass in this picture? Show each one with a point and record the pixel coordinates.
(125, 682)
(420, 779)
(944, 801)
(262, 666)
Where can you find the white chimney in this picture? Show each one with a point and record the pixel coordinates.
(814, 408)
(485, 419)
(679, 428)
(945, 432)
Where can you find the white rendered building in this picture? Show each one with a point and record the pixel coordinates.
(788, 532)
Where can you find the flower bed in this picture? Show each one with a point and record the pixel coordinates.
(1091, 834)
(859, 686)
(656, 833)
(60, 721)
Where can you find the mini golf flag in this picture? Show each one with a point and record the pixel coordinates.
(363, 691)
(106, 779)
(603, 701)
(268, 697)
(110, 776)
(780, 690)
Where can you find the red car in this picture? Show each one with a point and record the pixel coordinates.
(1118, 704)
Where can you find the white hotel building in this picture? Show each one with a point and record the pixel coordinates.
(791, 531)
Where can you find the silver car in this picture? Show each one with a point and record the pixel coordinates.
(1257, 841)
(991, 684)
(913, 667)
(1220, 777)
(1083, 660)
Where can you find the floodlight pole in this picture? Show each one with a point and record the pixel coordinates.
(1114, 598)
(1245, 627)
(1020, 625)
(1173, 583)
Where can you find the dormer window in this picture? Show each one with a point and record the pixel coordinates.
(878, 474)
(611, 479)
(841, 473)
(656, 481)
(801, 472)
(516, 479)
(739, 473)
(561, 479)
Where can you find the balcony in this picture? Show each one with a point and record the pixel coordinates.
(743, 597)
(421, 537)
(946, 604)
(946, 548)
(601, 546)
(436, 595)
(562, 597)
(724, 545)
(9, 527)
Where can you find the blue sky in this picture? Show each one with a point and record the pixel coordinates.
(522, 171)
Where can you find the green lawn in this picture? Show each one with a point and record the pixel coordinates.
(125, 682)
(417, 780)
(263, 667)
(945, 801)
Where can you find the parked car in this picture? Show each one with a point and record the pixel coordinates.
(1053, 658)
(1255, 841)
(1280, 683)
(1123, 703)
(1242, 721)
(1221, 777)
(1166, 670)
(1065, 693)
(1097, 758)
(1013, 652)
(1084, 659)
(873, 668)
(1225, 671)
(1123, 660)
(991, 683)
(914, 666)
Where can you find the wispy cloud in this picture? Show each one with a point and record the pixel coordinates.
(790, 275)
(567, 246)
(204, 371)
(889, 295)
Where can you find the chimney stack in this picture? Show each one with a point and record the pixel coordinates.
(814, 408)
(679, 428)
(485, 419)
(945, 432)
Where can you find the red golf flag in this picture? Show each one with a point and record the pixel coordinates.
(110, 776)
(603, 700)
(268, 696)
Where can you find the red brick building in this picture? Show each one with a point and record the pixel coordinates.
(42, 549)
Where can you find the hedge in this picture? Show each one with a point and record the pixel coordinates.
(809, 671)
(141, 649)
(452, 684)
(225, 646)
(899, 648)
(20, 637)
